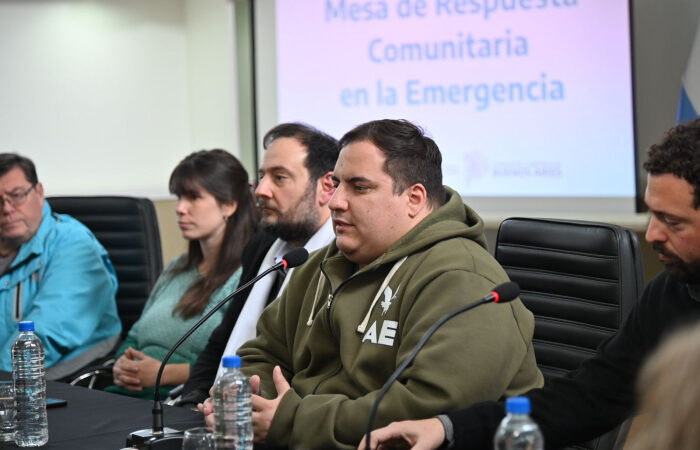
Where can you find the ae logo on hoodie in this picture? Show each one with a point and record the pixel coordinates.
(383, 334)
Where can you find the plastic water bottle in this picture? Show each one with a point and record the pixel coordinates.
(28, 373)
(233, 420)
(517, 430)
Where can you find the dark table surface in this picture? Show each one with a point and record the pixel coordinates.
(101, 420)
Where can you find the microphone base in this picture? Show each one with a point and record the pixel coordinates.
(145, 439)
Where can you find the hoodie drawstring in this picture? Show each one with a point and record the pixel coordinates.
(319, 287)
(361, 328)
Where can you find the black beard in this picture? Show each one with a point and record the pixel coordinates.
(295, 233)
(300, 222)
(678, 269)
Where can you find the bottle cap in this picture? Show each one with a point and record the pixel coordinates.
(26, 325)
(518, 405)
(231, 361)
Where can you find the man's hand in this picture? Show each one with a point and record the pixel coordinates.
(255, 384)
(425, 434)
(264, 410)
(207, 408)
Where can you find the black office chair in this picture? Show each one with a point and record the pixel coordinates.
(580, 280)
(128, 229)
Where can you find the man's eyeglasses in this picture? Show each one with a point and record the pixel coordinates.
(16, 197)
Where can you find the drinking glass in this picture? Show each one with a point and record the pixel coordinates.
(198, 439)
(7, 411)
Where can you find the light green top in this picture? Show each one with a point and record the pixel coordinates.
(158, 328)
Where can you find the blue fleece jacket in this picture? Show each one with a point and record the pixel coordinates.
(63, 280)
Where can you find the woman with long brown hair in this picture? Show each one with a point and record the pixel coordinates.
(216, 213)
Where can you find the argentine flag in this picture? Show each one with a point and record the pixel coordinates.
(689, 105)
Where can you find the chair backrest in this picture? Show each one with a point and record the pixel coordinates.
(128, 229)
(580, 280)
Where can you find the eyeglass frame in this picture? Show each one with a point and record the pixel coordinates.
(15, 199)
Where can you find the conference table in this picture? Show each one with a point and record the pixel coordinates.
(100, 420)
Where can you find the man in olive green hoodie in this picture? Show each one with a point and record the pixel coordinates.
(407, 251)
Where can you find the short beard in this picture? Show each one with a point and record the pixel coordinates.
(677, 269)
(294, 232)
(300, 223)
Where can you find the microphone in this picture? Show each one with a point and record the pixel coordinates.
(159, 438)
(503, 293)
(294, 257)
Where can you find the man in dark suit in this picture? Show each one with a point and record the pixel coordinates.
(293, 192)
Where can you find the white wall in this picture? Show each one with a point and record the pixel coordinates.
(107, 96)
(212, 74)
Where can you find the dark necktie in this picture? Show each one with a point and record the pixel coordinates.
(276, 285)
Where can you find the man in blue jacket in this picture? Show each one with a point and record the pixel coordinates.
(54, 272)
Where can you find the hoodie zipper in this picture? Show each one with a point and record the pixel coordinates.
(331, 296)
(329, 304)
(328, 312)
(329, 301)
(315, 391)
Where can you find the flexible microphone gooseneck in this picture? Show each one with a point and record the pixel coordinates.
(145, 438)
(503, 293)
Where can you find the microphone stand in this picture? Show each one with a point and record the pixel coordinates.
(159, 438)
(509, 293)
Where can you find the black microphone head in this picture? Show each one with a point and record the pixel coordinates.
(506, 292)
(295, 257)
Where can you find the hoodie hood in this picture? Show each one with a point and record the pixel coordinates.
(453, 219)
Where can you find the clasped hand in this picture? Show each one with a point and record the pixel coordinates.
(134, 370)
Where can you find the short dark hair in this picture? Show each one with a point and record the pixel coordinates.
(411, 156)
(9, 161)
(321, 149)
(678, 154)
